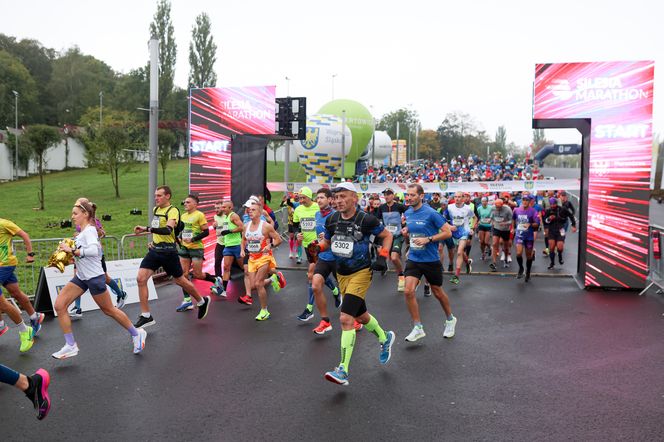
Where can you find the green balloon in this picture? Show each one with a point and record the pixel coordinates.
(359, 121)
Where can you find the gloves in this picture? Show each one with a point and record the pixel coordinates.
(225, 232)
(380, 264)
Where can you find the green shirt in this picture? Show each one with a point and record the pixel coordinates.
(232, 239)
(306, 216)
(484, 214)
(194, 223)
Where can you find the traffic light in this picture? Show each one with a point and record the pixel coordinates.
(291, 117)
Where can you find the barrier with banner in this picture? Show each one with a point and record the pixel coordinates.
(124, 272)
(447, 187)
(655, 263)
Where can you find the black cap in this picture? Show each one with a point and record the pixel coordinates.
(388, 191)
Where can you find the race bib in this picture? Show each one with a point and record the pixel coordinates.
(219, 230)
(155, 222)
(392, 229)
(414, 246)
(342, 246)
(308, 224)
(499, 219)
(485, 220)
(187, 235)
(562, 232)
(254, 246)
(458, 222)
(522, 226)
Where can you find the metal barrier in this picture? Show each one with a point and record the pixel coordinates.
(134, 246)
(28, 273)
(655, 262)
(282, 218)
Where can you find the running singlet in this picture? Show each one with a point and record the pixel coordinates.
(391, 217)
(460, 218)
(501, 218)
(256, 242)
(194, 223)
(7, 231)
(423, 223)
(232, 239)
(306, 216)
(320, 228)
(219, 220)
(161, 217)
(484, 214)
(349, 240)
(524, 218)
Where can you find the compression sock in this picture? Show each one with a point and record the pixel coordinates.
(114, 287)
(552, 257)
(347, 345)
(519, 260)
(529, 264)
(373, 327)
(329, 282)
(210, 278)
(310, 290)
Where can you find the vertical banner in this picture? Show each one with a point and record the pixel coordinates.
(618, 99)
(216, 115)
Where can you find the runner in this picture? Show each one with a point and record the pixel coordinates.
(557, 217)
(425, 227)
(483, 228)
(471, 232)
(290, 205)
(447, 243)
(35, 387)
(89, 276)
(25, 333)
(231, 230)
(304, 226)
(567, 204)
(525, 223)
(163, 253)
(192, 250)
(218, 248)
(8, 263)
(501, 220)
(348, 232)
(459, 215)
(390, 214)
(256, 240)
(325, 265)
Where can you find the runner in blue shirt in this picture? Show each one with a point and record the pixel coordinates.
(526, 222)
(424, 228)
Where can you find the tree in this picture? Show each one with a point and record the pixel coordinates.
(108, 152)
(202, 54)
(167, 141)
(428, 145)
(500, 141)
(39, 138)
(458, 134)
(274, 145)
(14, 76)
(539, 139)
(161, 28)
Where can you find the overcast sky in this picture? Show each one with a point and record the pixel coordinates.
(434, 57)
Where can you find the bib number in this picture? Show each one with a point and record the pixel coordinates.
(413, 245)
(458, 222)
(219, 230)
(392, 229)
(562, 232)
(522, 227)
(187, 235)
(254, 246)
(485, 220)
(308, 224)
(342, 246)
(155, 222)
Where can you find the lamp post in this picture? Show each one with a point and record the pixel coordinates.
(101, 106)
(287, 86)
(373, 138)
(333, 77)
(16, 135)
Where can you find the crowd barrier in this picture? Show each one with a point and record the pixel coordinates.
(655, 263)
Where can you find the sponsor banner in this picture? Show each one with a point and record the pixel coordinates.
(123, 272)
(444, 187)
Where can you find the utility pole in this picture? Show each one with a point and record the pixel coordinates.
(343, 143)
(154, 122)
(16, 135)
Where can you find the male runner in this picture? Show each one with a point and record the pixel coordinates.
(425, 227)
(557, 217)
(231, 230)
(459, 215)
(347, 235)
(390, 214)
(25, 333)
(163, 253)
(218, 247)
(304, 226)
(501, 223)
(526, 222)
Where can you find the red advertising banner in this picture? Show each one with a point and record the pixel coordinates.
(617, 97)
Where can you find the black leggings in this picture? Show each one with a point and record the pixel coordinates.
(218, 259)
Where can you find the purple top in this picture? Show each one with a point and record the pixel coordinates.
(524, 218)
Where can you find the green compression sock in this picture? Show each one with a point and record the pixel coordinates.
(347, 345)
(375, 328)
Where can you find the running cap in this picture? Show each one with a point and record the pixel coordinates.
(388, 191)
(306, 192)
(344, 186)
(563, 193)
(553, 200)
(528, 198)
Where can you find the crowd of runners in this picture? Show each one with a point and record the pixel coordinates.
(345, 237)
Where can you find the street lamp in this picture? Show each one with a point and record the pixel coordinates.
(101, 106)
(373, 138)
(287, 86)
(16, 134)
(333, 77)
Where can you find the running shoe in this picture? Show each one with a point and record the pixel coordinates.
(519, 275)
(505, 265)
(76, 313)
(560, 260)
(282, 280)
(527, 277)
(27, 339)
(386, 348)
(509, 259)
(218, 282)
(306, 315)
(246, 299)
(67, 351)
(36, 323)
(337, 376)
(502, 256)
(142, 321)
(416, 334)
(274, 280)
(492, 267)
(401, 284)
(299, 260)
(40, 399)
(203, 309)
(4, 330)
(291, 255)
(120, 300)
(139, 341)
(545, 252)
(323, 327)
(219, 291)
(551, 266)
(186, 305)
(427, 290)
(450, 326)
(469, 266)
(357, 326)
(454, 279)
(450, 268)
(263, 315)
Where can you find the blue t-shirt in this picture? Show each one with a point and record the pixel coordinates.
(352, 234)
(422, 223)
(320, 227)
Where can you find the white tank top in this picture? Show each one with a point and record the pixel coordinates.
(255, 239)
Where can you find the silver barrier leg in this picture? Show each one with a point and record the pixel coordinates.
(643, 292)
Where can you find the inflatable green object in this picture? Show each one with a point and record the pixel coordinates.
(358, 120)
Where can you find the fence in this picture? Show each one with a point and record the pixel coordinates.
(655, 262)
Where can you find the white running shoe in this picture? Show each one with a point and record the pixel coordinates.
(449, 328)
(67, 351)
(509, 259)
(502, 256)
(139, 341)
(417, 333)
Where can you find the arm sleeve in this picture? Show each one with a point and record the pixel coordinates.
(162, 230)
(201, 235)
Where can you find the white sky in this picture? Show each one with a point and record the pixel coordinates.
(432, 56)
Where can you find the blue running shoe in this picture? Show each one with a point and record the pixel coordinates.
(386, 348)
(306, 315)
(36, 323)
(337, 376)
(186, 305)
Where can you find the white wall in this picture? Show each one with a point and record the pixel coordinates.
(54, 159)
